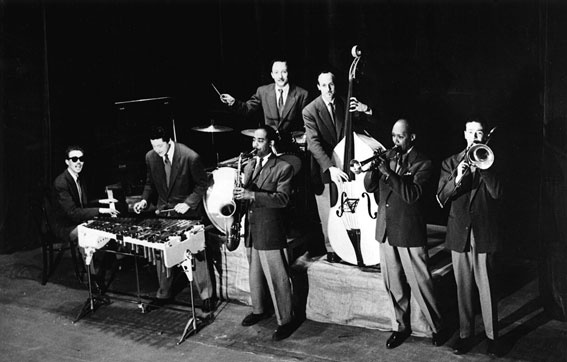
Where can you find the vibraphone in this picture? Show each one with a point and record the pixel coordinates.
(172, 240)
(165, 239)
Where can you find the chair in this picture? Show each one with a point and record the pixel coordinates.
(52, 246)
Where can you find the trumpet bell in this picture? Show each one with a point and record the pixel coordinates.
(355, 167)
(480, 156)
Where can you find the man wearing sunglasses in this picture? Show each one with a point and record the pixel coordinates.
(71, 198)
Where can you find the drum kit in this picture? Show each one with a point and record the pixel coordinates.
(225, 175)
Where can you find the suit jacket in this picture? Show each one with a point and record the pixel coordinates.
(400, 201)
(188, 180)
(322, 135)
(474, 204)
(272, 188)
(68, 212)
(265, 97)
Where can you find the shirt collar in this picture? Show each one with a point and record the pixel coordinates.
(73, 175)
(263, 159)
(285, 91)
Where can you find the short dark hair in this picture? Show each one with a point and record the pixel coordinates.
(477, 119)
(71, 148)
(158, 132)
(271, 133)
(325, 71)
(279, 60)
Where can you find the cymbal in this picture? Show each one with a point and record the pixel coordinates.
(212, 128)
(248, 132)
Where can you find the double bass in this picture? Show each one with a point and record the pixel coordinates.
(352, 219)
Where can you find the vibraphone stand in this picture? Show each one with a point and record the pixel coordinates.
(95, 300)
(194, 322)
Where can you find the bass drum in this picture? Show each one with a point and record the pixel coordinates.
(218, 199)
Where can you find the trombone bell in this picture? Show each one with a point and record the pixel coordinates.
(480, 156)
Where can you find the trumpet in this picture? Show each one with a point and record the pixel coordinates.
(356, 166)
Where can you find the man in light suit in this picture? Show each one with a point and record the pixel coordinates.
(71, 202)
(398, 183)
(472, 235)
(324, 121)
(267, 187)
(176, 174)
(280, 101)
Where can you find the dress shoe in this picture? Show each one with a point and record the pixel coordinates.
(284, 331)
(396, 339)
(439, 338)
(462, 346)
(209, 305)
(493, 349)
(253, 318)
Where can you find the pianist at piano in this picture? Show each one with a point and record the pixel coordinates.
(175, 173)
(71, 201)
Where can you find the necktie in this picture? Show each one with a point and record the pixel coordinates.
(331, 107)
(400, 164)
(167, 168)
(257, 168)
(80, 189)
(280, 102)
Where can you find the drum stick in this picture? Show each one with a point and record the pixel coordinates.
(216, 90)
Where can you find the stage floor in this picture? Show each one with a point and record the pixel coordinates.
(36, 325)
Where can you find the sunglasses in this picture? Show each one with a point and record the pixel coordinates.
(75, 158)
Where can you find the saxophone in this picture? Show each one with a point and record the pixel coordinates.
(237, 208)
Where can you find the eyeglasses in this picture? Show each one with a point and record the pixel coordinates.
(75, 158)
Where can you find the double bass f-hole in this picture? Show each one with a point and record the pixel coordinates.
(351, 203)
(373, 215)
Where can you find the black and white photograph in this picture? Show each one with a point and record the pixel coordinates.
(283, 180)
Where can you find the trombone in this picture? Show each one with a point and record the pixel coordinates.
(478, 155)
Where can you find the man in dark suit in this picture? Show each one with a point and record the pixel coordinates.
(281, 102)
(398, 183)
(176, 174)
(267, 187)
(71, 199)
(472, 235)
(324, 121)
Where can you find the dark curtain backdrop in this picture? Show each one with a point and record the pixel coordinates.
(436, 62)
